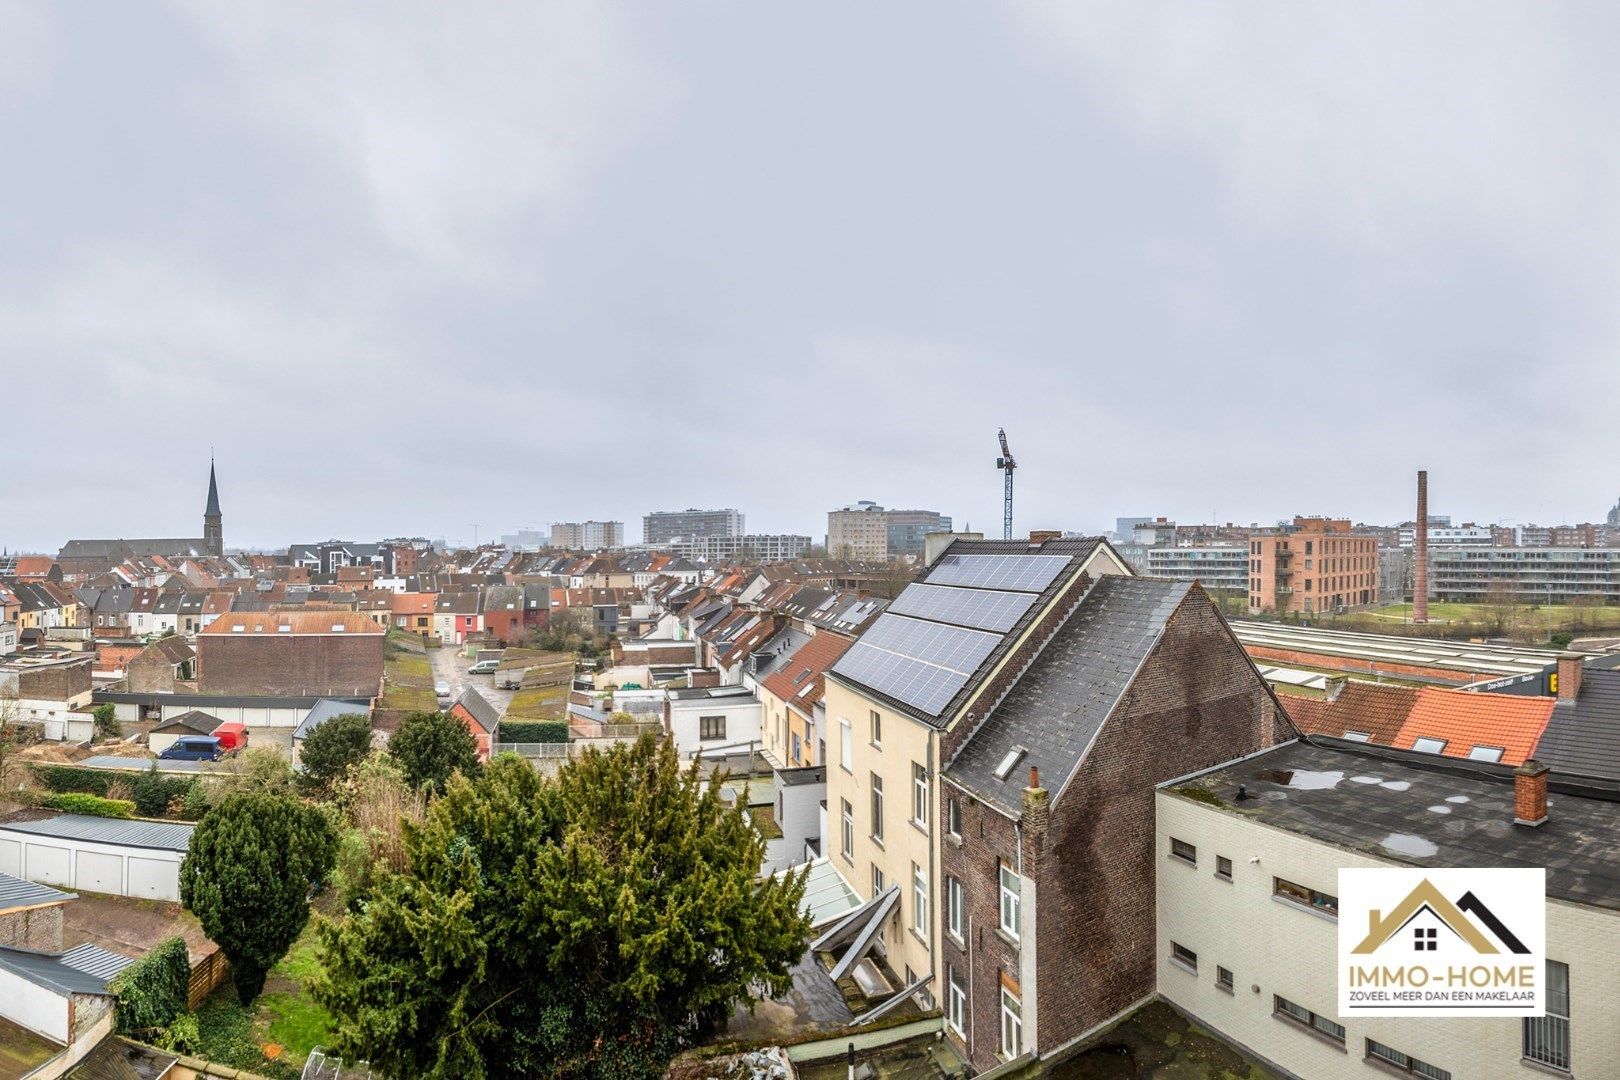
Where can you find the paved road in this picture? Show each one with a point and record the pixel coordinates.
(451, 667)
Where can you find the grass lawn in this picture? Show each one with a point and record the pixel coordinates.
(408, 680)
(21, 1051)
(542, 703)
(283, 1026)
(1551, 616)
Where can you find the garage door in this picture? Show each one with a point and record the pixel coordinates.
(50, 865)
(154, 879)
(100, 872)
(11, 857)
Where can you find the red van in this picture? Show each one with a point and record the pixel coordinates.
(232, 736)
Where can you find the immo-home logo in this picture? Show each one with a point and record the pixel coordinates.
(1442, 942)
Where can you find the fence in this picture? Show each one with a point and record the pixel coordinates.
(207, 975)
(589, 729)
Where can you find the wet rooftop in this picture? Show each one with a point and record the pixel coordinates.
(1398, 806)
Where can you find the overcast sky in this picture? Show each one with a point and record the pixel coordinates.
(411, 267)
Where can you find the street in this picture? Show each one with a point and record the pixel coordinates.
(449, 666)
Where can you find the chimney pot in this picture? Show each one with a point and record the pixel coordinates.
(1530, 793)
(1569, 675)
(1034, 777)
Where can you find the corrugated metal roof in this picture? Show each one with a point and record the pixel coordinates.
(95, 961)
(16, 893)
(164, 836)
(87, 973)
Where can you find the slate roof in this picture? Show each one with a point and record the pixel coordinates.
(1363, 798)
(192, 720)
(1374, 709)
(119, 1059)
(83, 970)
(160, 835)
(1583, 737)
(322, 711)
(477, 706)
(1060, 703)
(1465, 719)
(15, 893)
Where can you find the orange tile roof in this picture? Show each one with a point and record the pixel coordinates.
(808, 667)
(413, 603)
(1373, 709)
(1465, 719)
(269, 623)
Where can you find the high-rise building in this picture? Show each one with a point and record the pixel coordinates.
(1316, 565)
(525, 540)
(868, 532)
(772, 547)
(587, 535)
(662, 526)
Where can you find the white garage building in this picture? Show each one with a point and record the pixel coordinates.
(95, 854)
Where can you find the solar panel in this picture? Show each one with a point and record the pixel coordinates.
(1029, 573)
(986, 609)
(943, 646)
(921, 663)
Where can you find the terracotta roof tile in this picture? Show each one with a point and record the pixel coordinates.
(1512, 723)
(807, 667)
(1375, 710)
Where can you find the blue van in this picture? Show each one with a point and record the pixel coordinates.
(193, 748)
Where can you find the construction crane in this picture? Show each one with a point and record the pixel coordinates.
(1006, 464)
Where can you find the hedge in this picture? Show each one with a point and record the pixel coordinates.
(153, 790)
(153, 990)
(533, 731)
(77, 802)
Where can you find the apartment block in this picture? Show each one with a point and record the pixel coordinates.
(662, 526)
(1527, 575)
(1317, 565)
(587, 535)
(866, 531)
(764, 547)
(1224, 567)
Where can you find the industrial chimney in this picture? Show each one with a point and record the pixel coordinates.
(1420, 553)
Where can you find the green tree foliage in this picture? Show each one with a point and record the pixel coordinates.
(431, 746)
(248, 875)
(334, 745)
(582, 926)
(153, 990)
(107, 725)
(78, 802)
(262, 769)
(533, 731)
(153, 791)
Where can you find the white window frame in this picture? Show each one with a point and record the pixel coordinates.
(956, 1004)
(1012, 1024)
(876, 728)
(848, 833)
(846, 745)
(877, 808)
(955, 907)
(1010, 900)
(919, 900)
(1547, 1038)
(919, 795)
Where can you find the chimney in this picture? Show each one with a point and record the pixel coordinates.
(1530, 793)
(1569, 675)
(1034, 777)
(1420, 553)
(1041, 536)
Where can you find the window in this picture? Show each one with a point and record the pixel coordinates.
(1005, 768)
(1012, 1024)
(1183, 957)
(877, 728)
(1298, 1014)
(798, 747)
(955, 907)
(1310, 898)
(1180, 849)
(1546, 1038)
(1485, 753)
(877, 808)
(953, 817)
(1358, 736)
(1009, 901)
(849, 830)
(877, 880)
(846, 746)
(1429, 746)
(919, 899)
(1223, 867)
(1223, 979)
(919, 794)
(1377, 1051)
(1425, 939)
(956, 1003)
(711, 727)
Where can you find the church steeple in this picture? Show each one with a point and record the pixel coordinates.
(213, 529)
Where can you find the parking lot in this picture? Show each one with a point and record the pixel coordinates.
(449, 666)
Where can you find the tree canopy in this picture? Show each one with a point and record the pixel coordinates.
(335, 744)
(581, 926)
(431, 746)
(248, 875)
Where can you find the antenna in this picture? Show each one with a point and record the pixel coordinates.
(1006, 464)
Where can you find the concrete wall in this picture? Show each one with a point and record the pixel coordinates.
(41, 1011)
(742, 723)
(1274, 947)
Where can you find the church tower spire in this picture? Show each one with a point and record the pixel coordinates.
(213, 529)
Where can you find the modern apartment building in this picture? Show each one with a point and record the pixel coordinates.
(662, 526)
(867, 532)
(1528, 575)
(1318, 565)
(764, 547)
(587, 535)
(1247, 867)
(1223, 567)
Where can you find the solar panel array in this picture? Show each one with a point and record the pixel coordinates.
(1030, 573)
(985, 609)
(921, 663)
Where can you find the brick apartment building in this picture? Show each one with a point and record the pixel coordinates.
(291, 653)
(1319, 565)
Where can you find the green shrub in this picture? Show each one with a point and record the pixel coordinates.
(77, 802)
(153, 791)
(107, 725)
(533, 731)
(152, 992)
(69, 778)
(183, 1036)
(196, 801)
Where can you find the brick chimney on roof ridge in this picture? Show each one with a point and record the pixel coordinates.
(1038, 537)
(1530, 793)
(1570, 666)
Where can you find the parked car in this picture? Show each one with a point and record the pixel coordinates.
(484, 667)
(193, 748)
(232, 736)
(442, 691)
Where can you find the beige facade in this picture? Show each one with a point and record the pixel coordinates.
(1274, 948)
(858, 534)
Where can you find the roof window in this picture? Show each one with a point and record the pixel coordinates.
(1429, 746)
(1009, 762)
(1485, 753)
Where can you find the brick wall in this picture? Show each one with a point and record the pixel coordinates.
(298, 665)
(37, 928)
(55, 682)
(1196, 702)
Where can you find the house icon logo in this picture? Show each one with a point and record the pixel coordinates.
(1442, 941)
(1419, 920)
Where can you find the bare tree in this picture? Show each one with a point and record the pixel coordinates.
(1501, 607)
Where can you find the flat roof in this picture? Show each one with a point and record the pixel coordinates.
(1423, 810)
(159, 835)
(1464, 657)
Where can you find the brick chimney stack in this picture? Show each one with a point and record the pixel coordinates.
(1530, 793)
(1420, 553)
(1569, 675)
